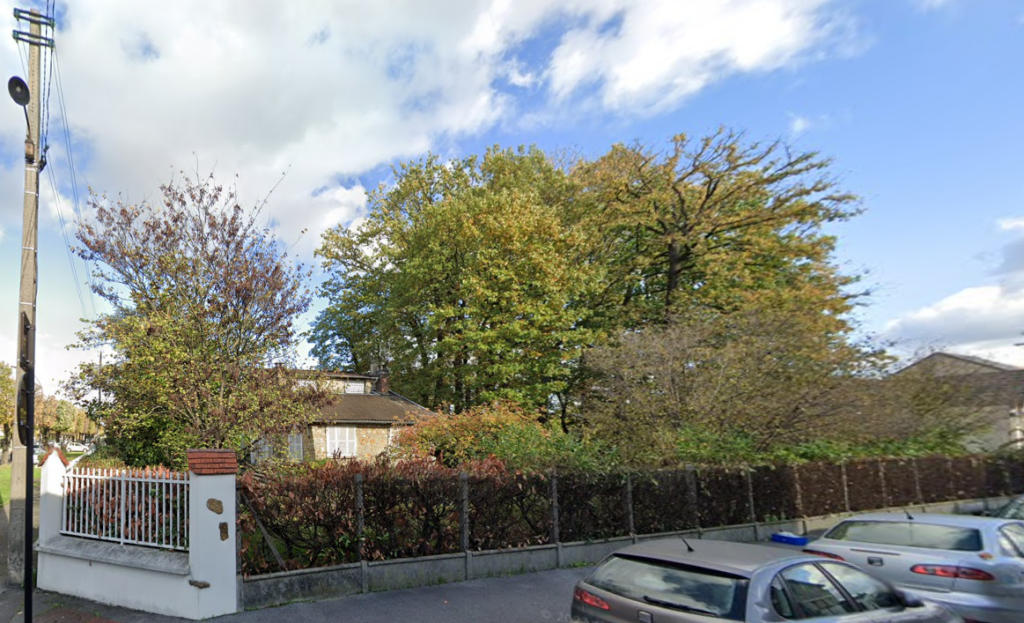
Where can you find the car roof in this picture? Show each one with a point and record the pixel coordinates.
(740, 559)
(963, 521)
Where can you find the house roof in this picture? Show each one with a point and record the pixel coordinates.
(980, 364)
(389, 408)
(331, 374)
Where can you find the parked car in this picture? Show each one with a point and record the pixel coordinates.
(695, 581)
(1014, 509)
(74, 446)
(974, 565)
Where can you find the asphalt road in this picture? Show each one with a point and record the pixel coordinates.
(531, 598)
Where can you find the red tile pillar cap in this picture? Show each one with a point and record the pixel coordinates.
(212, 462)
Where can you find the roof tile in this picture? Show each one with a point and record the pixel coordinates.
(212, 462)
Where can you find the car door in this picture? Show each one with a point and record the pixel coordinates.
(878, 599)
(805, 592)
(892, 551)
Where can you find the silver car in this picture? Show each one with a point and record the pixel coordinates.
(975, 565)
(697, 581)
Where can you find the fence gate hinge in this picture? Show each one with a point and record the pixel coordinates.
(199, 584)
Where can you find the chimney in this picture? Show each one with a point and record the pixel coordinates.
(383, 381)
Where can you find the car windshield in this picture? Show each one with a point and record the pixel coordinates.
(688, 588)
(909, 534)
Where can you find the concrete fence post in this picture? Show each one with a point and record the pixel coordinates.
(846, 486)
(748, 474)
(464, 511)
(212, 552)
(555, 532)
(798, 494)
(917, 482)
(886, 496)
(51, 496)
(360, 518)
(692, 509)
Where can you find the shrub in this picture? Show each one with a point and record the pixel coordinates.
(503, 431)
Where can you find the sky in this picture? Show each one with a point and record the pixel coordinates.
(919, 102)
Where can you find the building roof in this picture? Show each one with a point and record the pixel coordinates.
(374, 408)
(331, 375)
(982, 362)
(940, 360)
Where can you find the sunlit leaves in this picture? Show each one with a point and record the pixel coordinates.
(204, 301)
(462, 280)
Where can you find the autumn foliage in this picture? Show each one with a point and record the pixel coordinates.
(203, 302)
(317, 515)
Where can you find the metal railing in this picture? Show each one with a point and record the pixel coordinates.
(129, 506)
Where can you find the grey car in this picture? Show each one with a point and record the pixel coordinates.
(697, 581)
(975, 565)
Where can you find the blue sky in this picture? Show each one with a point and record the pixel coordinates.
(918, 101)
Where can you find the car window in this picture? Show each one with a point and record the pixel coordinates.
(665, 584)
(908, 533)
(1013, 510)
(780, 599)
(813, 593)
(869, 593)
(1011, 539)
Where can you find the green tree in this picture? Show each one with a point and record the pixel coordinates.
(203, 303)
(8, 391)
(463, 280)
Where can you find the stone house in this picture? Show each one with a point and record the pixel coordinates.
(992, 390)
(360, 422)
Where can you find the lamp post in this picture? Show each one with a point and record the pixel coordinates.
(25, 410)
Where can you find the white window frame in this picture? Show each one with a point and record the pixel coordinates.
(355, 387)
(261, 451)
(295, 445)
(341, 441)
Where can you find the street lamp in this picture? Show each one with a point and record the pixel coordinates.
(22, 96)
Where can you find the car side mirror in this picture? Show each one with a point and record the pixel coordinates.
(909, 600)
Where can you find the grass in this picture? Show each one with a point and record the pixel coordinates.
(5, 482)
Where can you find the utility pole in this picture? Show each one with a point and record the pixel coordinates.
(19, 556)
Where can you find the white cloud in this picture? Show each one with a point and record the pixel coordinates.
(662, 51)
(1011, 223)
(327, 92)
(985, 320)
(798, 124)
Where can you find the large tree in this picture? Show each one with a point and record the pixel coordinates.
(463, 280)
(715, 222)
(762, 379)
(203, 303)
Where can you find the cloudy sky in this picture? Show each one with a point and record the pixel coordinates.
(919, 102)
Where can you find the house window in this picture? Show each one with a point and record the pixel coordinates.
(295, 446)
(341, 441)
(261, 451)
(355, 387)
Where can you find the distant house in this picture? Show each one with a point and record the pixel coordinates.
(993, 390)
(360, 422)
